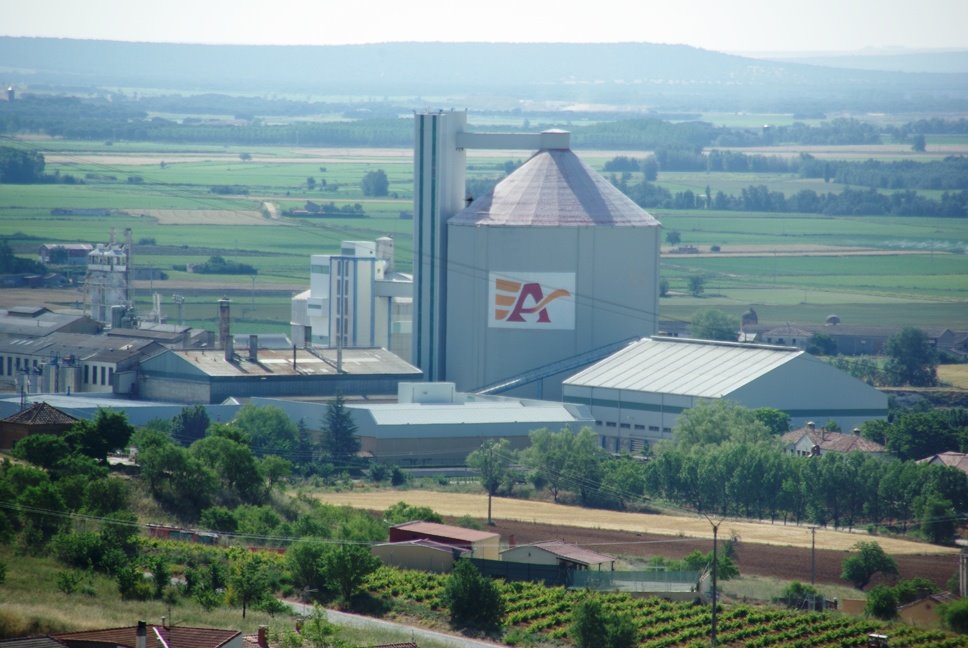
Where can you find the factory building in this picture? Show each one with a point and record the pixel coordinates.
(200, 376)
(637, 394)
(109, 277)
(538, 278)
(432, 424)
(355, 299)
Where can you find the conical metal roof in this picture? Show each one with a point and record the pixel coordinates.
(554, 189)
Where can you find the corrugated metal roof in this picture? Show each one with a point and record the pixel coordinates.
(276, 362)
(464, 413)
(554, 189)
(698, 368)
(438, 530)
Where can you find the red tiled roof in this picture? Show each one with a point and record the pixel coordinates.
(41, 414)
(178, 636)
(834, 441)
(447, 531)
(957, 460)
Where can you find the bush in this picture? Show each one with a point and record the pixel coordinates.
(474, 600)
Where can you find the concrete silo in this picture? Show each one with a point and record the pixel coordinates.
(553, 264)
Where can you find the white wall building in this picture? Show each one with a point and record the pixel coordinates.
(637, 394)
(355, 295)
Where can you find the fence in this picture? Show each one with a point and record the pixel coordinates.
(625, 581)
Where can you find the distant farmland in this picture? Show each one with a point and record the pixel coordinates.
(791, 267)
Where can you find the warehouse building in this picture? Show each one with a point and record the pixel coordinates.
(637, 394)
(200, 376)
(432, 424)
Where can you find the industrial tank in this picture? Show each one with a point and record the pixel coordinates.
(554, 263)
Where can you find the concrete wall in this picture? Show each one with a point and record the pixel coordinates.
(616, 291)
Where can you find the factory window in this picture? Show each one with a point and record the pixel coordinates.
(1, 365)
(667, 430)
(103, 371)
(639, 427)
(653, 428)
(9, 366)
(35, 363)
(610, 424)
(18, 364)
(110, 376)
(604, 442)
(598, 422)
(625, 426)
(86, 376)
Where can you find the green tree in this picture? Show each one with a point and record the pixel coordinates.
(249, 580)
(20, 167)
(491, 461)
(938, 520)
(881, 603)
(912, 359)
(402, 512)
(869, 559)
(269, 429)
(44, 450)
(473, 599)
(109, 431)
(799, 596)
(713, 324)
(594, 627)
(697, 285)
(339, 433)
(918, 144)
(190, 424)
(548, 454)
(107, 495)
(776, 421)
(344, 568)
(673, 237)
(375, 183)
(717, 421)
(954, 615)
(583, 470)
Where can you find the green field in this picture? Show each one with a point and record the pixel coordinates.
(921, 282)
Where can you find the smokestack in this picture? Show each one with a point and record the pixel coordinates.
(253, 348)
(224, 333)
(293, 357)
(142, 635)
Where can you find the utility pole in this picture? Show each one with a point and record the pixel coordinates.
(712, 634)
(813, 555)
(715, 526)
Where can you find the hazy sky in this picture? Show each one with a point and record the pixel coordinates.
(724, 25)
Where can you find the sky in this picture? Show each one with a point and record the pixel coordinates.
(721, 25)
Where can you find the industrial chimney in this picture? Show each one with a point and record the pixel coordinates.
(142, 635)
(224, 333)
(253, 347)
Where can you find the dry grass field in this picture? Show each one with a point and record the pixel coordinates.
(954, 375)
(456, 504)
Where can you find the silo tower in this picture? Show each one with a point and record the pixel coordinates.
(551, 266)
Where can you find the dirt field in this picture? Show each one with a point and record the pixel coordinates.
(787, 563)
(751, 533)
(954, 375)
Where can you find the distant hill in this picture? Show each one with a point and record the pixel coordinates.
(631, 74)
(913, 62)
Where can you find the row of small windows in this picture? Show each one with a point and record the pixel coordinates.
(10, 366)
(13, 365)
(628, 426)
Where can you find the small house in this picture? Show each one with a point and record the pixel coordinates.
(561, 554)
(481, 544)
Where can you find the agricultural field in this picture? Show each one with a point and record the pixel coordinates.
(544, 614)
(791, 267)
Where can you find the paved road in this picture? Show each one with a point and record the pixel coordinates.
(358, 621)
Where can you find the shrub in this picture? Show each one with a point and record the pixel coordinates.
(473, 599)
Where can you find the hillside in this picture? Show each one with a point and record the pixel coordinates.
(622, 75)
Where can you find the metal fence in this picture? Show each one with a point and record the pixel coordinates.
(657, 580)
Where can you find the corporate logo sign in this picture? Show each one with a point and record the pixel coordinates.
(532, 300)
